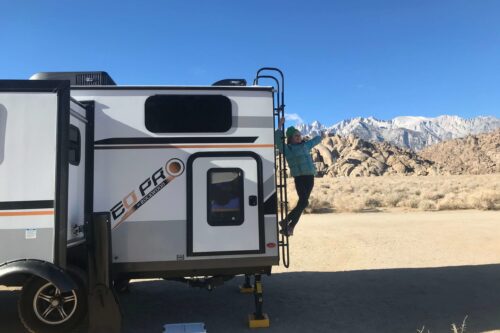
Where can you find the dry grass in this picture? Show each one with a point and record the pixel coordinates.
(428, 193)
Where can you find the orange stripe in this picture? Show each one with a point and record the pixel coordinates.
(28, 213)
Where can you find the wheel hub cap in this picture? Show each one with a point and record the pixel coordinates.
(53, 307)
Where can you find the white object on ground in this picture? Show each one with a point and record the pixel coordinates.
(185, 328)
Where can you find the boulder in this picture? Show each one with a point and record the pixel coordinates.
(325, 153)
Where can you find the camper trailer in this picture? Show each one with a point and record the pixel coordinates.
(101, 183)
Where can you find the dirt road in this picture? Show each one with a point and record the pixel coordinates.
(371, 272)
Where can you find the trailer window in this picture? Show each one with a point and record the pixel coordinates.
(225, 197)
(74, 145)
(188, 114)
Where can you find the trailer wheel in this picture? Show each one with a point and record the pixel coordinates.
(43, 308)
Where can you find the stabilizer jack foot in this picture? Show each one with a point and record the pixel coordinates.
(246, 290)
(258, 323)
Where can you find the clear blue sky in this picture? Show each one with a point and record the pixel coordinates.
(341, 59)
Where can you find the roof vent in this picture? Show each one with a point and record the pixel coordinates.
(78, 78)
(231, 82)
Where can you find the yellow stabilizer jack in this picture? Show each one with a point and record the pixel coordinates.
(258, 323)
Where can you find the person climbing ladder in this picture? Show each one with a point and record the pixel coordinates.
(298, 157)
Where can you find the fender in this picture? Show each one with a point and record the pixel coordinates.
(40, 268)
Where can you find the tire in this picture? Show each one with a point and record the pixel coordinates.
(43, 309)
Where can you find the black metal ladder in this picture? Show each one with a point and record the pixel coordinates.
(280, 171)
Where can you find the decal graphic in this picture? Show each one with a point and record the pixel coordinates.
(146, 190)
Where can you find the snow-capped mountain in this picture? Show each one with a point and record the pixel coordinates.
(409, 132)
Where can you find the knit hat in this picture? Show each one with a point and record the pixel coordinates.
(290, 131)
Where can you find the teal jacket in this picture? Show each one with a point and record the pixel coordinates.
(298, 156)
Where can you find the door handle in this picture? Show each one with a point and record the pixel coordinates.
(252, 200)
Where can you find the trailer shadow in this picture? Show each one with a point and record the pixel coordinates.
(388, 300)
(9, 321)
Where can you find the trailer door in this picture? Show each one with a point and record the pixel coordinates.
(34, 118)
(224, 204)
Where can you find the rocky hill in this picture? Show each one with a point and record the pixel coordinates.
(413, 133)
(353, 157)
(474, 154)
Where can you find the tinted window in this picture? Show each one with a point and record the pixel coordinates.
(74, 145)
(225, 197)
(188, 113)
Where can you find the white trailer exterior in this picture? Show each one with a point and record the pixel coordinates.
(162, 226)
(42, 188)
(185, 174)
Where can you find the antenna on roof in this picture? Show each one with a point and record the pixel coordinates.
(231, 82)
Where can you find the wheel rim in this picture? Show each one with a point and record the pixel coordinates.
(53, 307)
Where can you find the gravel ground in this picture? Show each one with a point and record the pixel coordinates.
(371, 272)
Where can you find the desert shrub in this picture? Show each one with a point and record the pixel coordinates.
(452, 201)
(347, 189)
(433, 196)
(415, 192)
(401, 189)
(459, 329)
(373, 202)
(392, 199)
(317, 205)
(485, 200)
(409, 203)
(427, 205)
(348, 204)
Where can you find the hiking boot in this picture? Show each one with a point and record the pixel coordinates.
(283, 224)
(287, 232)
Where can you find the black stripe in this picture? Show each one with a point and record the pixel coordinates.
(8, 205)
(31, 85)
(150, 140)
(248, 88)
(270, 205)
